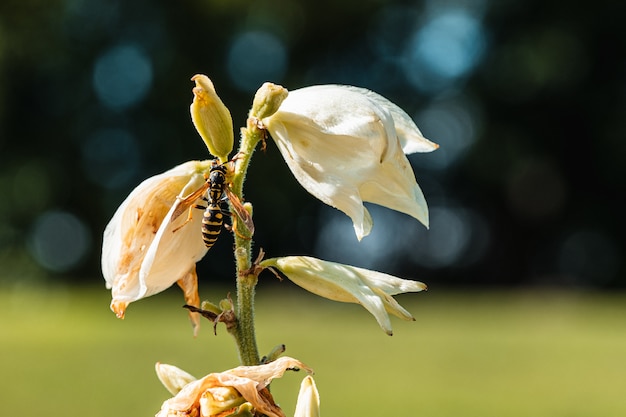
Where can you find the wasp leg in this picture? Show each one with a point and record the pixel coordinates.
(190, 214)
(233, 228)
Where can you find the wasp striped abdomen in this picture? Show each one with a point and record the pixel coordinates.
(212, 225)
(215, 191)
(213, 218)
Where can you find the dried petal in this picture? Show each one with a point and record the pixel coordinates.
(249, 381)
(141, 254)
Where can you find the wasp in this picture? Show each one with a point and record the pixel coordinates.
(214, 212)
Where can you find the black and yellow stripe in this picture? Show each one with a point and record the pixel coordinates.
(213, 216)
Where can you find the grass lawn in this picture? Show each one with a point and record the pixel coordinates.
(469, 354)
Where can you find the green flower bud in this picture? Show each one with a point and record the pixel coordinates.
(267, 100)
(211, 118)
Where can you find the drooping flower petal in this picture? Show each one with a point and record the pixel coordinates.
(141, 253)
(308, 404)
(346, 145)
(349, 284)
(248, 381)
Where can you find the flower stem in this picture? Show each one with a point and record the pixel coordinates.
(244, 332)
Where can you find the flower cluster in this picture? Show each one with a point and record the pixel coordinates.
(344, 145)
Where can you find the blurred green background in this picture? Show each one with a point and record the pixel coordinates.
(524, 256)
(474, 354)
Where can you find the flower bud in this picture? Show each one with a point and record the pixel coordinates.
(216, 400)
(211, 118)
(172, 377)
(308, 404)
(267, 100)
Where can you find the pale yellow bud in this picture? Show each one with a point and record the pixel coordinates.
(218, 399)
(172, 377)
(267, 100)
(211, 118)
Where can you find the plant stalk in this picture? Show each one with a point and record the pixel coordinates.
(244, 332)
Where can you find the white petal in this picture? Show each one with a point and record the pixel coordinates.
(172, 253)
(134, 238)
(338, 282)
(410, 136)
(308, 404)
(343, 146)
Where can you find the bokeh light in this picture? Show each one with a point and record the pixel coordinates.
(380, 250)
(111, 157)
(255, 57)
(122, 76)
(457, 236)
(454, 123)
(59, 240)
(446, 48)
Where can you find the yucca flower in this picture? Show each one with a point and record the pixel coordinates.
(347, 145)
(219, 392)
(141, 253)
(349, 284)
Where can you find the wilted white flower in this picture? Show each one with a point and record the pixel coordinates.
(141, 253)
(219, 392)
(346, 145)
(349, 284)
(308, 404)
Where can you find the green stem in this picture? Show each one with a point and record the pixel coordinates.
(244, 332)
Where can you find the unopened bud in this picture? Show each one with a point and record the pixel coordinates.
(267, 100)
(211, 118)
(218, 399)
(308, 404)
(172, 377)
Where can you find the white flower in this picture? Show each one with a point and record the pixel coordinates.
(141, 253)
(218, 392)
(308, 404)
(346, 145)
(349, 284)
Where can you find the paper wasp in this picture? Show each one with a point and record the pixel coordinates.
(218, 190)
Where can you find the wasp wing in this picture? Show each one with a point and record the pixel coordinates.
(184, 203)
(241, 211)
